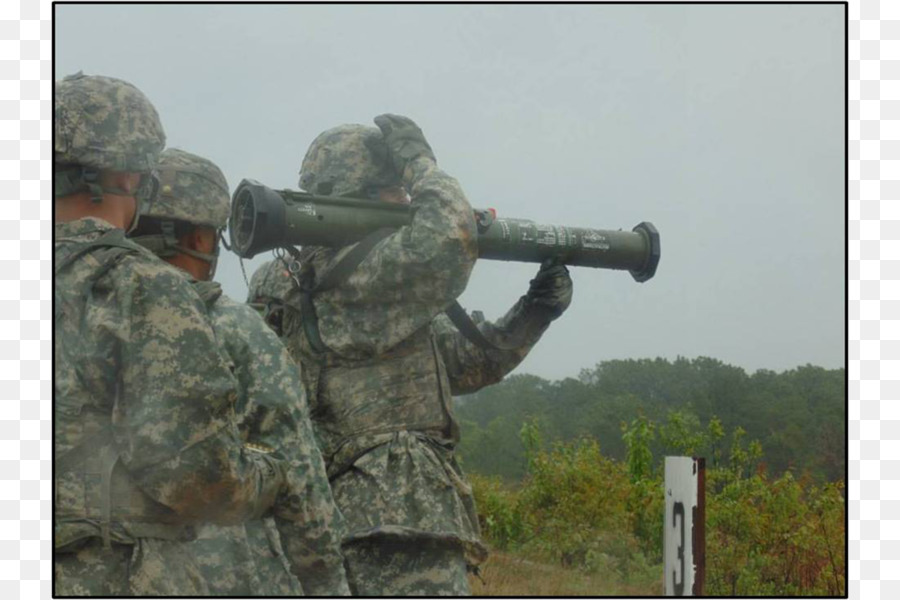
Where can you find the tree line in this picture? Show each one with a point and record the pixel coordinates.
(797, 418)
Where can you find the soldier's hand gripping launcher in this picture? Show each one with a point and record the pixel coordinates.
(264, 219)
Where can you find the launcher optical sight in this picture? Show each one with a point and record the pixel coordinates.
(264, 219)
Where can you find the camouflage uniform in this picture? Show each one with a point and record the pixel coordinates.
(145, 443)
(273, 418)
(381, 394)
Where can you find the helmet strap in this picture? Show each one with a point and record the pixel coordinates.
(74, 179)
(171, 245)
(165, 245)
(212, 259)
(91, 178)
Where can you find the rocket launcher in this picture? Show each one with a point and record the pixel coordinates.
(263, 219)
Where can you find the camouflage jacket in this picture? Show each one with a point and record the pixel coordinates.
(380, 398)
(145, 439)
(273, 418)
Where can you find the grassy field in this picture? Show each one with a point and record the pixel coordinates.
(509, 575)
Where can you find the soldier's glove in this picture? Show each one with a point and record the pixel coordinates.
(550, 292)
(404, 140)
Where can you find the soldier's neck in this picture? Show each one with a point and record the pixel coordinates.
(115, 210)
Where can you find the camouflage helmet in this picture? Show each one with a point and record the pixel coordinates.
(271, 281)
(191, 189)
(347, 160)
(269, 285)
(105, 124)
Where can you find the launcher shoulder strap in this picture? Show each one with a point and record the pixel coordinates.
(308, 287)
(350, 261)
(466, 326)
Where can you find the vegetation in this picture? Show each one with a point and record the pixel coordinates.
(591, 522)
(797, 416)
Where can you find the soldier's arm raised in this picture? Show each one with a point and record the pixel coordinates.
(416, 272)
(471, 366)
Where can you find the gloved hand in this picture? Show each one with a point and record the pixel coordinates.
(404, 140)
(550, 291)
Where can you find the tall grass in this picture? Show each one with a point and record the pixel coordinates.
(506, 574)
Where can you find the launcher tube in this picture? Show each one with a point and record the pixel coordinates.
(263, 219)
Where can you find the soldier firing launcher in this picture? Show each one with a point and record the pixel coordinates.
(264, 219)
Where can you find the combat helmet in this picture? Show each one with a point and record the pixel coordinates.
(192, 190)
(269, 285)
(103, 124)
(347, 160)
(271, 281)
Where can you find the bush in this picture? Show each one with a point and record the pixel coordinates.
(498, 513)
(581, 510)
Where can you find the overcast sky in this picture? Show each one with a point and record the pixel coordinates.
(723, 125)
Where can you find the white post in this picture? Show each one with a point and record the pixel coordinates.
(684, 527)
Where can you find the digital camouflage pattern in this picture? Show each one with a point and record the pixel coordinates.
(347, 160)
(380, 398)
(395, 567)
(105, 123)
(269, 283)
(148, 567)
(145, 441)
(273, 419)
(191, 189)
(244, 560)
(379, 305)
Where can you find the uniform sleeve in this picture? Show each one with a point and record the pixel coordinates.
(470, 367)
(277, 420)
(173, 417)
(408, 277)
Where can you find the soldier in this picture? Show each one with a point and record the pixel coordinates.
(381, 362)
(183, 227)
(269, 285)
(145, 445)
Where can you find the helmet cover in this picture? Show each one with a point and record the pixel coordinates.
(271, 281)
(191, 189)
(347, 160)
(106, 124)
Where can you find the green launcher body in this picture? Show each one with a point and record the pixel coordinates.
(263, 219)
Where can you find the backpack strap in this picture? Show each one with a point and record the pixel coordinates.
(114, 238)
